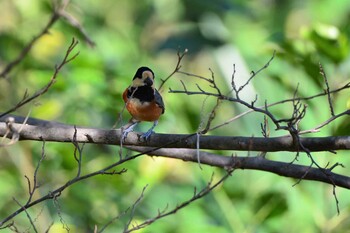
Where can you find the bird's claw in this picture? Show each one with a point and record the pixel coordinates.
(147, 135)
(125, 133)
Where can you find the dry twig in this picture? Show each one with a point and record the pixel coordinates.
(196, 196)
(27, 99)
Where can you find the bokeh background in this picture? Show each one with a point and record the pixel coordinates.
(217, 34)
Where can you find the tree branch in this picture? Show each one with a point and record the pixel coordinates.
(196, 196)
(63, 133)
(56, 14)
(26, 99)
(253, 163)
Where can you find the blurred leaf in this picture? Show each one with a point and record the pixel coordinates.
(49, 46)
(48, 110)
(271, 204)
(343, 128)
(330, 41)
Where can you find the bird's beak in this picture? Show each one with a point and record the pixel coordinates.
(148, 81)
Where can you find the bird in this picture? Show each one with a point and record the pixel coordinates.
(143, 102)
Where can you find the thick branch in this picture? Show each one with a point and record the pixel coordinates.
(57, 132)
(254, 163)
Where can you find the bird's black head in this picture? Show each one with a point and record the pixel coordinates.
(144, 77)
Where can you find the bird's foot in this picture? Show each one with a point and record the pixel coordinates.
(126, 132)
(147, 134)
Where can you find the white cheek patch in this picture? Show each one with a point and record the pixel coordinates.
(146, 74)
(137, 82)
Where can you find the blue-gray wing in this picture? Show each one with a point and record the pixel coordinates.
(159, 100)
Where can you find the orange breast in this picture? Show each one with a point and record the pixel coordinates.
(143, 111)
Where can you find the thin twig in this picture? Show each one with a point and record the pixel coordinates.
(7, 225)
(197, 195)
(75, 23)
(32, 188)
(44, 89)
(10, 129)
(211, 117)
(323, 73)
(180, 56)
(328, 121)
(254, 74)
(133, 208)
(54, 17)
(78, 149)
(28, 216)
(326, 172)
(195, 76)
(261, 109)
(57, 192)
(59, 213)
(49, 227)
(265, 128)
(112, 221)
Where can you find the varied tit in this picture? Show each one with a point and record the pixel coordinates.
(143, 101)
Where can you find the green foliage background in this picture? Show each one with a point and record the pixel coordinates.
(218, 34)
